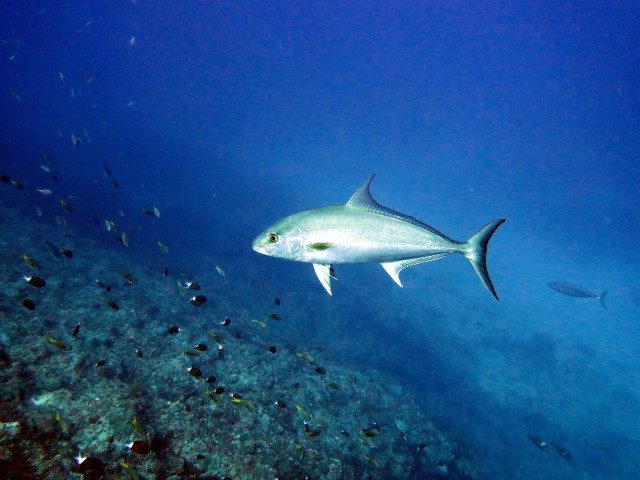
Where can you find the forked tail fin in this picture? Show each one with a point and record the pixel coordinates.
(475, 249)
(601, 298)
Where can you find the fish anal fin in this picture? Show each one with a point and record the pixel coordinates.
(323, 272)
(394, 268)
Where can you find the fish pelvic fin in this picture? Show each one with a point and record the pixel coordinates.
(601, 297)
(475, 250)
(324, 274)
(394, 268)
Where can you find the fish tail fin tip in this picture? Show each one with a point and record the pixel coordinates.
(601, 297)
(475, 250)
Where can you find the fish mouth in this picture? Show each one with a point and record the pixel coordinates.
(258, 248)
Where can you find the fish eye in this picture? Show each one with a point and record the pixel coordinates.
(273, 238)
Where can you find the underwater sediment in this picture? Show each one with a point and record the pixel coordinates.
(120, 370)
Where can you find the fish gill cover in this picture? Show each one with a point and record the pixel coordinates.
(144, 147)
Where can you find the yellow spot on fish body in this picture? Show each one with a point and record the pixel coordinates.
(320, 246)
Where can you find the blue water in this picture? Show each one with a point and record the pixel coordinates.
(230, 116)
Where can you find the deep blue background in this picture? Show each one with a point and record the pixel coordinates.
(241, 114)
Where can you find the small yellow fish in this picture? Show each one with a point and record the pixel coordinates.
(129, 470)
(61, 423)
(129, 277)
(56, 343)
(243, 403)
(302, 412)
(65, 206)
(217, 338)
(220, 271)
(300, 451)
(258, 323)
(29, 261)
(306, 357)
(111, 225)
(137, 426)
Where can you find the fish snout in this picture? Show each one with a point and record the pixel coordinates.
(258, 247)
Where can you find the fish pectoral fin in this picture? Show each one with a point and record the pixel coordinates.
(394, 268)
(324, 274)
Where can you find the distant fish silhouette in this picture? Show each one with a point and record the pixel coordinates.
(577, 291)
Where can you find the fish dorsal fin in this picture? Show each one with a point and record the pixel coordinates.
(362, 200)
(394, 268)
(324, 274)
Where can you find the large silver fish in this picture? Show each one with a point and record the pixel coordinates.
(363, 231)
(572, 290)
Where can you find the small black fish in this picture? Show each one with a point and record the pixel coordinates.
(273, 316)
(5, 358)
(272, 349)
(345, 433)
(28, 304)
(201, 347)
(115, 184)
(369, 432)
(37, 282)
(4, 178)
(165, 272)
(101, 363)
(89, 466)
(280, 404)
(277, 301)
(307, 428)
(139, 447)
(199, 456)
(194, 372)
(67, 253)
(220, 351)
(75, 330)
(226, 322)
(219, 390)
(172, 330)
(198, 300)
(17, 184)
(321, 370)
(421, 446)
(112, 305)
(139, 353)
(211, 379)
(566, 456)
(296, 385)
(539, 443)
(55, 250)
